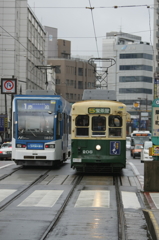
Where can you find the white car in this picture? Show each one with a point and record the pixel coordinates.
(6, 151)
(145, 151)
(128, 145)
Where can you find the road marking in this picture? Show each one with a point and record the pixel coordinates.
(7, 165)
(4, 193)
(155, 198)
(136, 172)
(130, 200)
(93, 198)
(42, 198)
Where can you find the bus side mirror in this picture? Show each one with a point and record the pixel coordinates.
(59, 117)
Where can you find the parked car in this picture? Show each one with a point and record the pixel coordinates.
(136, 151)
(6, 151)
(145, 152)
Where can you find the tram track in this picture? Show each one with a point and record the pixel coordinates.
(62, 208)
(83, 219)
(9, 174)
(37, 180)
(120, 210)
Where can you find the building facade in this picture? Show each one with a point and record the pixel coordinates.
(73, 78)
(23, 48)
(156, 48)
(132, 75)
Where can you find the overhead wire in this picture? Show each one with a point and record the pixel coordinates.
(93, 26)
(95, 36)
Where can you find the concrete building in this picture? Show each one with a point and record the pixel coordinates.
(156, 48)
(73, 75)
(73, 78)
(132, 75)
(52, 44)
(23, 47)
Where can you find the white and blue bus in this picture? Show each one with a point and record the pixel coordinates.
(40, 129)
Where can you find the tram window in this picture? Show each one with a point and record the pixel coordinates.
(115, 121)
(98, 123)
(82, 132)
(69, 125)
(115, 132)
(82, 120)
(82, 123)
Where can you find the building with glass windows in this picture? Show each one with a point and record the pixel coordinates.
(23, 48)
(132, 75)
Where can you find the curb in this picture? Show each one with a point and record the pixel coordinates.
(152, 223)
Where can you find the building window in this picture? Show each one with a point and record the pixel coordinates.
(131, 102)
(135, 79)
(74, 96)
(67, 95)
(57, 81)
(89, 84)
(71, 96)
(136, 55)
(80, 71)
(136, 67)
(78, 96)
(80, 85)
(135, 90)
(71, 82)
(63, 42)
(67, 81)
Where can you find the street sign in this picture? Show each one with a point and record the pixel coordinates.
(8, 85)
(136, 104)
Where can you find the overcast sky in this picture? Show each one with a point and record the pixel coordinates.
(75, 23)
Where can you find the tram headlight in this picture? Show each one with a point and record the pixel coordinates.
(98, 147)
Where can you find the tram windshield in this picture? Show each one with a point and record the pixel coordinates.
(35, 119)
(98, 125)
(115, 124)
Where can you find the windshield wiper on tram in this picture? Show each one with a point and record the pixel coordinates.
(32, 133)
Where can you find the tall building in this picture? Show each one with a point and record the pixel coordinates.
(23, 48)
(156, 48)
(132, 75)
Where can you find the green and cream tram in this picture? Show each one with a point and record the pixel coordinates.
(98, 136)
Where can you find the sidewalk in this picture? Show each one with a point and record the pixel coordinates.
(152, 214)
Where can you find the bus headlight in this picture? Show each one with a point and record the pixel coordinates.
(98, 147)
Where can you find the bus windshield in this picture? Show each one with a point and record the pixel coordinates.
(35, 119)
(141, 139)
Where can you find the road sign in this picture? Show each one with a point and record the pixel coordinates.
(136, 104)
(8, 85)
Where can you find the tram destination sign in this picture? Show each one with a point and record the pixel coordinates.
(93, 110)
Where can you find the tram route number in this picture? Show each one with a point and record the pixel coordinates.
(87, 151)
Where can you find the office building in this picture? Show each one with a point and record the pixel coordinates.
(132, 74)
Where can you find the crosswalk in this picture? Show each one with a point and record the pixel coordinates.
(86, 198)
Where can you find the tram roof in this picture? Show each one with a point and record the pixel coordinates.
(83, 105)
